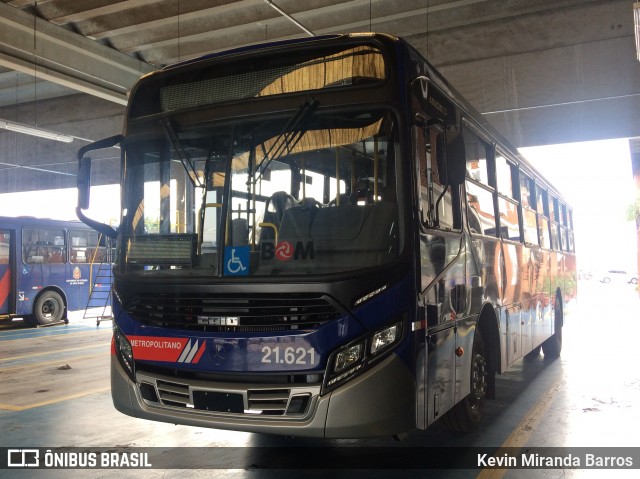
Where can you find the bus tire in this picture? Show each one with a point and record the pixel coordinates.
(468, 413)
(553, 346)
(533, 354)
(49, 308)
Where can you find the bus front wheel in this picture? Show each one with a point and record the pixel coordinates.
(468, 413)
(49, 308)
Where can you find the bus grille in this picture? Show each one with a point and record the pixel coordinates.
(255, 402)
(228, 313)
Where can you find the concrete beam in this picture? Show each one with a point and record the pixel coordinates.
(36, 47)
(557, 76)
(29, 163)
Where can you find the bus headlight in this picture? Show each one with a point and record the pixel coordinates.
(124, 352)
(383, 339)
(356, 357)
(348, 357)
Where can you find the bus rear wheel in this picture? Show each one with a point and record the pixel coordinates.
(49, 308)
(468, 413)
(553, 346)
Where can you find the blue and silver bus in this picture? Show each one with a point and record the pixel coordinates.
(47, 268)
(320, 237)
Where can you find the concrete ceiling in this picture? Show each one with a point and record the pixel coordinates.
(542, 71)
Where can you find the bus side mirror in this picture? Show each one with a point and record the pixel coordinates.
(84, 182)
(456, 159)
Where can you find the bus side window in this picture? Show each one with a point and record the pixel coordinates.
(528, 213)
(504, 176)
(84, 247)
(564, 237)
(43, 245)
(481, 210)
(553, 223)
(506, 172)
(5, 238)
(431, 189)
(542, 206)
(570, 228)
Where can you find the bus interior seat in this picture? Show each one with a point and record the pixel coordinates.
(348, 228)
(309, 203)
(274, 210)
(55, 255)
(342, 199)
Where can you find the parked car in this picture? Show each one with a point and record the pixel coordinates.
(618, 276)
(585, 274)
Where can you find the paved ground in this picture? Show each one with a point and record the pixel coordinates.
(55, 393)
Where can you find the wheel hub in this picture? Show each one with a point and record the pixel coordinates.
(479, 377)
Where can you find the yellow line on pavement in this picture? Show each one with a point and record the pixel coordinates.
(61, 360)
(521, 433)
(9, 407)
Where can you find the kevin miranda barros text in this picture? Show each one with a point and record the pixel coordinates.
(539, 461)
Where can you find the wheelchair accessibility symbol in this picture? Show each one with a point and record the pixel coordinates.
(236, 261)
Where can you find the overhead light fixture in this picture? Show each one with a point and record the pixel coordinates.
(30, 130)
(636, 24)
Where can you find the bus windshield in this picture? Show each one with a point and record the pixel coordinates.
(311, 192)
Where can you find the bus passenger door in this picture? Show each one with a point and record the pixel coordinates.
(7, 277)
(442, 272)
(443, 280)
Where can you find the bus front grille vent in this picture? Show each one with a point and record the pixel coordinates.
(173, 394)
(271, 402)
(229, 313)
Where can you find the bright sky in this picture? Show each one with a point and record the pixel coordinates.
(61, 204)
(594, 177)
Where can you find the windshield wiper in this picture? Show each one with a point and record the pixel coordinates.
(182, 155)
(289, 137)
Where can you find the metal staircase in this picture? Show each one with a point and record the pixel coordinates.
(99, 303)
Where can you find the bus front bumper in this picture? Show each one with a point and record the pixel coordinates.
(379, 402)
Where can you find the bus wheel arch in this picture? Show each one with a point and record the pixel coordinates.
(469, 412)
(50, 306)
